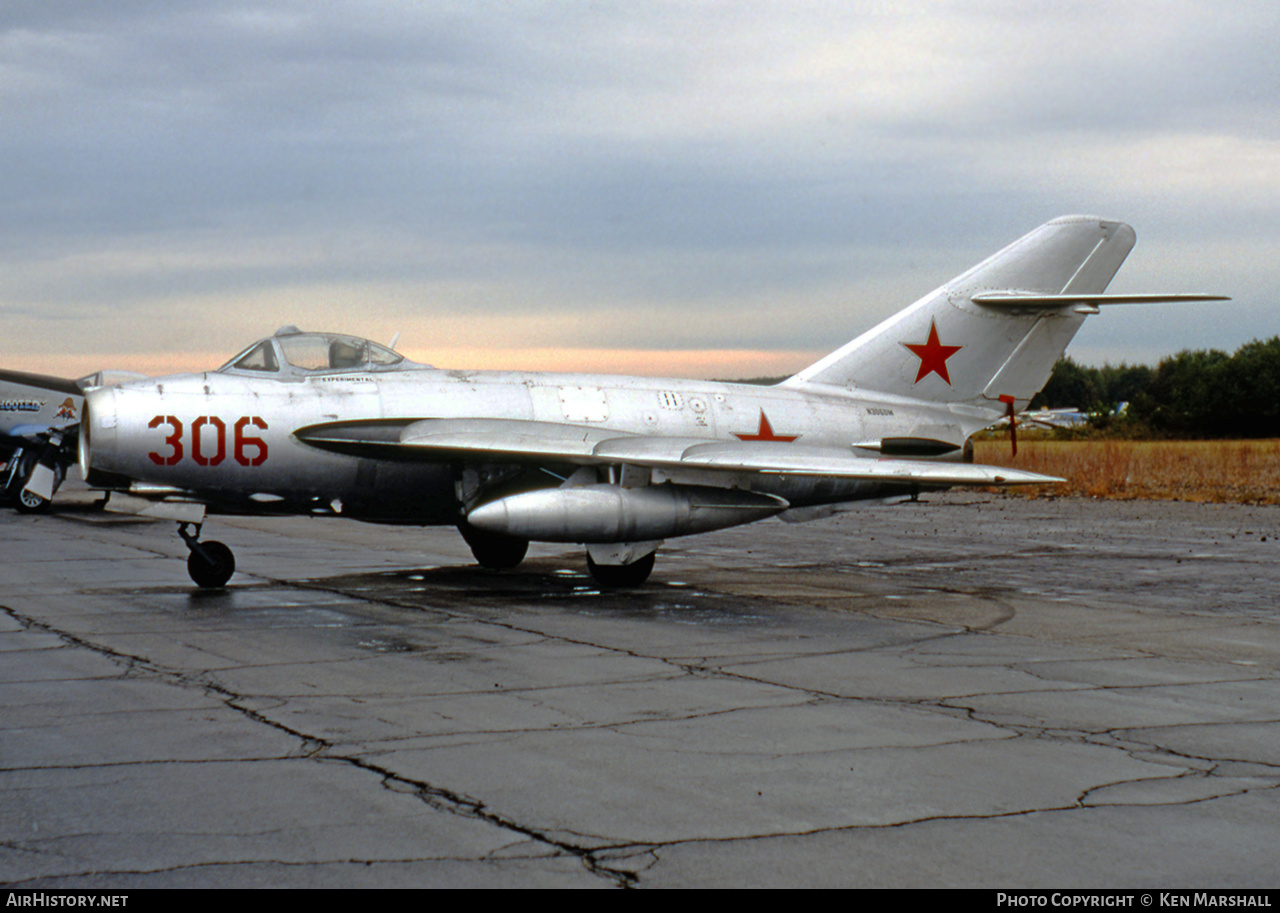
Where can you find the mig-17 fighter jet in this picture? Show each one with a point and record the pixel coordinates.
(323, 423)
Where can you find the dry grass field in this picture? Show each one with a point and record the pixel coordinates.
(1213, 471)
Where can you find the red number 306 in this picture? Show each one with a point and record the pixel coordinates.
(208, 441)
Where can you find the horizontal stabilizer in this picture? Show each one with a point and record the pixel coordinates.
(1030, 299)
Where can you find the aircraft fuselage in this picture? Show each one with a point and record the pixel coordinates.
(231, 439)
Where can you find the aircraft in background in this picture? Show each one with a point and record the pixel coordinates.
(330, 424)
(1053, 418)
(1067, 417)
(39, 417)
(1043, 419)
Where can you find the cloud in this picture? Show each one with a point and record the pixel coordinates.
(647, 176)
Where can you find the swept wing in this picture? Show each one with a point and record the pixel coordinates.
(515, 440)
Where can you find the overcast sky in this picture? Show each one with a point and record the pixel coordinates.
(702, 188)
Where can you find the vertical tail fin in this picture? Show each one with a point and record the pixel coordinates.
(992, 334)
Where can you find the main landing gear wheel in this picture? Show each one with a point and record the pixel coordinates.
(622, 575)
(28, 502)
(210, 564)
(494, 551)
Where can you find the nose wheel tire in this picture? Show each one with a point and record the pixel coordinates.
(211, 565)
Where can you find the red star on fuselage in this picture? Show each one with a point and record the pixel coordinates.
(765, 432)
(933, 355)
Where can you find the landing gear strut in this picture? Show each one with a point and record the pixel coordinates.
(210, 564)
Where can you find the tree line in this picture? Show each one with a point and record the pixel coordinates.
(1204, 393)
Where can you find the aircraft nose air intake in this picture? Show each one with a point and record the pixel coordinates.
(86, 432)
(97, 434)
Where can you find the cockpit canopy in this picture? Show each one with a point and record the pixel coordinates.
(293, 353)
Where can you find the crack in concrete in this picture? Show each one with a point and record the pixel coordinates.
(319, 749)
(447, 801)
(705, 668)
(606, 859)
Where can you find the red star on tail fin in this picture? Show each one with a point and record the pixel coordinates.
(933, 355)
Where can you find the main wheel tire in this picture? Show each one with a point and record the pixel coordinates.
(212, 569)
(616, 576)
(493, 550)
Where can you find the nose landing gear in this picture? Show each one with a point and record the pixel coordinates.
(210, 564)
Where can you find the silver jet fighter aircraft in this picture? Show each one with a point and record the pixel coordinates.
(332, 424)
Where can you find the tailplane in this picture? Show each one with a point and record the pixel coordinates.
(991, 335)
